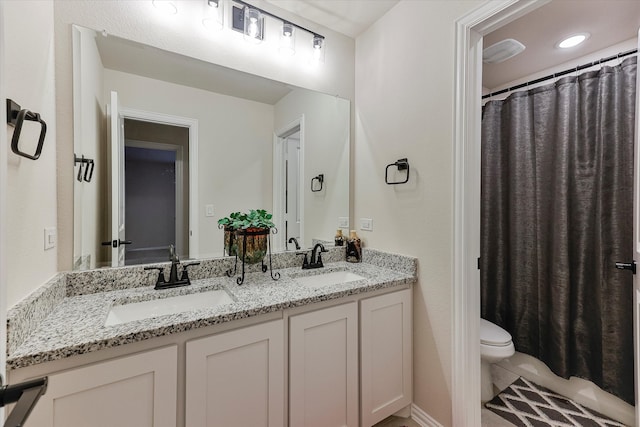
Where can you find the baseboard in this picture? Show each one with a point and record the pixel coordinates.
(422, 418)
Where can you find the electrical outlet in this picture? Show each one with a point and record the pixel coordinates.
(208, 210)
(50, 237)
(343, 222)
(366, 224)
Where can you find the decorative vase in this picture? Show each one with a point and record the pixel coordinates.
(252, 244)
(354, 248)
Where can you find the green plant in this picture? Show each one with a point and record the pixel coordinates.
(256, 218)
(228, 220)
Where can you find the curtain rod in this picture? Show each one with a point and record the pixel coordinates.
(562, 73)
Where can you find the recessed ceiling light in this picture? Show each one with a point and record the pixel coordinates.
(573, 40)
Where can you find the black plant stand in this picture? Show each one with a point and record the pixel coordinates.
(243, 235)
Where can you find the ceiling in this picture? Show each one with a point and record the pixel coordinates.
(609, 22)
(349, 17)
(143, 60)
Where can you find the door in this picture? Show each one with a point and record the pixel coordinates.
(636, 248)
(292, 187)
(116, 127)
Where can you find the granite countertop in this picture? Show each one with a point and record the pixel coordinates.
(76, 325)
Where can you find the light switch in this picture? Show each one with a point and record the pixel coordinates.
(50, 237)
(366, 224)
(343, 222)
(208, 210)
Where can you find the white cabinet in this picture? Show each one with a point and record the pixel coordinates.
(236, 378)
(133, 391)
(385, 355)
(323, 367)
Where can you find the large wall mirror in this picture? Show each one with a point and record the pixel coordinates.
(165, 145)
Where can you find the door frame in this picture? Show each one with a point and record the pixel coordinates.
(3, 213)
(465, 374)
(192, 125)
(279, 179)
(179, 176)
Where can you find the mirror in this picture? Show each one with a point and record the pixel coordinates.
(166, 145)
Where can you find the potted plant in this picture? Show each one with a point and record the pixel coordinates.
(253, 229)
(226, 223)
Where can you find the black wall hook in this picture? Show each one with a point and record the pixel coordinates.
(88, 170)
(16, 117)
(402, 165)
(320, 179)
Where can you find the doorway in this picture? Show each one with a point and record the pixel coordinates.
(470, 30)
(288, 183)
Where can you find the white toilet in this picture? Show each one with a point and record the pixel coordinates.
(495, 345)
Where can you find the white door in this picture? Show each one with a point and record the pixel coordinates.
(292, 205)
(116, 127)
(636, 248)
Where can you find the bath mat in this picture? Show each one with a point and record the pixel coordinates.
(524, 403)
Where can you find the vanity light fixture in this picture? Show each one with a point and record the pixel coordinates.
(573, 40)
(253, 25)
(213, 15)
(287, 39)
(318, 44)
(165, 6)
(250, 20)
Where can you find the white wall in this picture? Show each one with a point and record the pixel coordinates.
(31, 185)
(404, 108)
(326, 151)
(234, 162)
(3, 212)
(139, 21)
(89, 209)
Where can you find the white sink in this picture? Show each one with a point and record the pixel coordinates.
(329, 279)
(163, 306)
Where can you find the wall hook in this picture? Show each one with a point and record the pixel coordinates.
(402, 165)
(320, 179)
(16, 117)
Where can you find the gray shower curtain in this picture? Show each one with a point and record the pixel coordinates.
(556, 213)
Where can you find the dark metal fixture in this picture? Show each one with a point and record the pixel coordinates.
(402, 165)
(116, 243)
(173, 281)
(88, 170)
(16, 117)
(26, 394)
(295, 241)
(627, 266)
(316, 260)
(243, 234)
(320, 179)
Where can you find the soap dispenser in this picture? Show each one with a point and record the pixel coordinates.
(354, 248)
(339, 239)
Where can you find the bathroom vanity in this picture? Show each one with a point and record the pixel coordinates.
(320, 348)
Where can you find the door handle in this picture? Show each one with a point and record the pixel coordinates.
(627, 266)
(116, 243)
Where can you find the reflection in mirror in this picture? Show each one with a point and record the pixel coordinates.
(179, 143)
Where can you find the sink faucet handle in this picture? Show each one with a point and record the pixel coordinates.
(185, 275)
(305, 262)
(160, 278)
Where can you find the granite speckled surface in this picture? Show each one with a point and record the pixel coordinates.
(76, 323)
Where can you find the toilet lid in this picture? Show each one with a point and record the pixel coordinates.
(492, 334)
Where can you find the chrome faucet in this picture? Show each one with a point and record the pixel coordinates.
(173, 282)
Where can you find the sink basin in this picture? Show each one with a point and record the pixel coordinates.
(329, 279)
(163, 306)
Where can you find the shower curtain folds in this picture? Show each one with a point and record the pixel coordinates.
(556, 213)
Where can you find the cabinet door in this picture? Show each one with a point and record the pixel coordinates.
(385, 355)
(323, 368)
(133, 391)
(236, 378)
